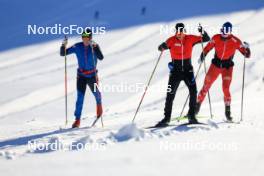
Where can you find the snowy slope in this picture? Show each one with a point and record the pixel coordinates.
(32, 109)
(16, 15)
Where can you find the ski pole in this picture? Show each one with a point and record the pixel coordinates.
(146, 88)
(189, 94)
(96, 83)
(205, 71)
(243, 85)
(65, 83)
(208, 93)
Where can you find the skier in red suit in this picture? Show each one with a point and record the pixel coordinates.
(225, 45)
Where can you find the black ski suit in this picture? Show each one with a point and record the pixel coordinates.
(182, 70)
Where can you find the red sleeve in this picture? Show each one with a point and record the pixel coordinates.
(242, 49)
(196, 39)
(210, 45)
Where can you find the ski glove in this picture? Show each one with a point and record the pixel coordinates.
(93, 43)
(200, 29)
(245, 45)
(248, 53)
(97, 51)
(170, 65)
(163, 46)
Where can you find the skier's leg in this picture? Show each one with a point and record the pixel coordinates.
(226, 81)
(93, 85)
(191, 84)
(210, 77)
(173, 84)
(81, 88)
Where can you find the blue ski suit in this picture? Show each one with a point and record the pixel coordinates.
(86, 73)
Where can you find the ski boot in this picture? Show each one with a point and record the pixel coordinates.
(192, 120)
(228, 113)
(191, 117)
(163, 123)
(196, 110)
(76, 123)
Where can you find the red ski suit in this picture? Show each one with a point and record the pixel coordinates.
(182, 49)
(222, 63)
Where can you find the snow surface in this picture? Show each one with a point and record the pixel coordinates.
(32, 107)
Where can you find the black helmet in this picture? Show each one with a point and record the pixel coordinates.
(87, 33)
(180, 27)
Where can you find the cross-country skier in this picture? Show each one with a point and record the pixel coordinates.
(225, 45)
(181, 69)
(87, 53)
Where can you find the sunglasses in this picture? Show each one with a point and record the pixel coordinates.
(88, 35)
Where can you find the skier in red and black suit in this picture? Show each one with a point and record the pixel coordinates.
(180, 46)
(225, 45)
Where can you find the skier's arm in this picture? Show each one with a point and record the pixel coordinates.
(244, 49)
(206, 50)
(163, 46)
(199, 39)
(68, 50)
(98, 52)
(208, 47)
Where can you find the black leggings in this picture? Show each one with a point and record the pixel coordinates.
(174, 81)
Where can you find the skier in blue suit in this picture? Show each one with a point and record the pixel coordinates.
(87, 53)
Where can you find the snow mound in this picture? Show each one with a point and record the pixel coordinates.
(8, 154)
(128, 132)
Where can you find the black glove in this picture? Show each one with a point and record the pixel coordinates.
(171, 66)
(248, 53)
(163, 46)
(200, 29)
